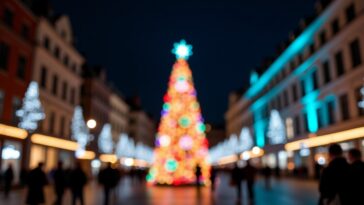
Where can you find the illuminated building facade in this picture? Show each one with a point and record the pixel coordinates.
(57, 69)
(314, 84)
(17, 32)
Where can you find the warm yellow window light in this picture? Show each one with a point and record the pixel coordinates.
(315, 141)
(108, 158)
(14, 132)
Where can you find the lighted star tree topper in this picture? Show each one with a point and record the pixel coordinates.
(181, 144)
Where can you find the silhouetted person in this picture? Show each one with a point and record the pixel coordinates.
(198, 174)
(213, 173)
(8, 179)
(356, 177)
(237, 177)
(109, 178)
(59, 183)
(333, 185)
(23, 176)
(277, 172)
(250, 173)
(78, 180)
(37, 179)
(267, 173)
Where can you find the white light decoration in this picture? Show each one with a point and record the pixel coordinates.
(31, 111)
(276, 129)
(9, 152)
(164, 140)
(181, 86)
(91, 123)
(182, 50)
(105, 142)
(80, 132)
(126, 149)
(361, 103)
(186, 142)
(245, 140)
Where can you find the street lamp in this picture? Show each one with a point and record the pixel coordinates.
(91, 123)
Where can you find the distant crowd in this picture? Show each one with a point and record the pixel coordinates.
(63, 179)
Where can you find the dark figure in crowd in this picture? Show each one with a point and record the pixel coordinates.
(356, 178)
(78, 180)
(213, 173)
(23, 176)
(237, 177)
(109, 178)
(277, 172)
(37, 179)
(59, 183)
(8, 179)
(334, 185)
(267, 173)
(198, 174)
(250, 173)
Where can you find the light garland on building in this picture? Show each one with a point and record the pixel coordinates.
(276, 129)
(80, 132)
(105, 142)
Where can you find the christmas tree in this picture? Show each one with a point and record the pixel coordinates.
(276, 129)
(106, 145)
(80, 132)
(181, 145)
(31, 111)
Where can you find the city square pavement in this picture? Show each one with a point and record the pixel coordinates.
(283, 192)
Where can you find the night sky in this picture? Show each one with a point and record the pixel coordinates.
(133, 40)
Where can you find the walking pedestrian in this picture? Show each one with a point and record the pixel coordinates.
(267, 173)
(198, 174)
(356, 182)
(37, 179)
(59, 183)
(78, 180)
(250, 173)
(333, 184)
(109, 178)
(8, 180)
(236, 179)
(213, 173)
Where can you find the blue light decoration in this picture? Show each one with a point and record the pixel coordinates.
(245, 140)
(32, 111)
(182, 50)
(253, 77)
(306, 38)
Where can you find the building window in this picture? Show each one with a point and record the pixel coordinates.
(285, 98)
(322, 37)
(56, 52)
(331, 112)
(62, 127)
(65, 61)
(355, 53)
(303, 89)
(335, 26)
(8, 17)
(344, 106)
(295, 92)
(2, 98)
(73, 96)
(339, 64)
(312, 48)
(305, 122)
(4, 56)
(326, 69)
(22, 62)
(289, 128)
(64, 90)
(315, 80)
(24, 31)
(43, 77)
(297, 125)
(55, 85)
(52, 119)
(46, 43)
(15, 106)
(350, 13)
(359, 98)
